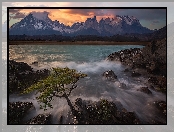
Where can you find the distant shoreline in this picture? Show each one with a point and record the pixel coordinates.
(75, 43)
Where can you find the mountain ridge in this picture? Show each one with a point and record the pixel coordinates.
(33, 24)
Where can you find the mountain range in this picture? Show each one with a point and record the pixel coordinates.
(33, 24)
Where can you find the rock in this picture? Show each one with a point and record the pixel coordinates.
(145, 90)
(61, 119)
(103, 112)
(135, 74)
(129, 117)
(18, 110)
(35, 63)
(110, 75)
(151, 58)
(22, 76)
(162, 107)
(126, 70)
(159, 83)
(18, 67)
(161, 110)
(41, 119)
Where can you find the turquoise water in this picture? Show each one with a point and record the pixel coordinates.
(64, 53)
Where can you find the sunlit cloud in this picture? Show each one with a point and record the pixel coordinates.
(82, 15)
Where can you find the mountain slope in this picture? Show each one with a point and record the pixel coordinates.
(41, 24)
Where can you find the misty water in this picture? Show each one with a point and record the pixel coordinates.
(91, 60)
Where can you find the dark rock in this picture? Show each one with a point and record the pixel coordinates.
(110, 75)
(61, 119)
(18, 67)
(103, 112)
(41, 119)
(18, 110)
(162, 107)
(126, 70)
(127, 56)
(22, 76)
(34, 63)
(159, 83)
(145, 90)
(161, 110)
(135, 74)
(151, 58)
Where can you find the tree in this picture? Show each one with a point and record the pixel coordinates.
(59, 83)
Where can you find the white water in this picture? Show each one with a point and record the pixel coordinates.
(94, 87)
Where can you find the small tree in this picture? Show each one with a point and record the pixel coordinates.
(59, 83)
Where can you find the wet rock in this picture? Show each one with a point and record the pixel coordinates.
(22, 76)
(128, 117)
(159, 83)
(135, 74)
(162, 107)
(126, 70)
(35, 63)
(61, 119)
(152, 57)
(41, 119)
(145, 90)
(126, 56)
(18, 67)
(110, 75)
(18, 110)
(161, 110)
(103, 112)
(114, 56)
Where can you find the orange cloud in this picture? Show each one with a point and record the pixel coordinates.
(70, 16)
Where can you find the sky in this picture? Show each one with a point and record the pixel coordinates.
(152, 19)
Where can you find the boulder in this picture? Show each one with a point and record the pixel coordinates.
(161, 110)
(151, 58)
(41, 119)
(162, 107)
(135, 74)
(109, 75)
(18, 110)
(22, 76)
(159, 83)
(126, 70)
(103, 112)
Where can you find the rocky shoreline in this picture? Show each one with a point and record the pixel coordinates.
(149, 62)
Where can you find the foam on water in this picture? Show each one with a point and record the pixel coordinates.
(94, 87)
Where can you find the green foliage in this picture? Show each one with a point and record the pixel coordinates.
(59, 83)
(105, 111)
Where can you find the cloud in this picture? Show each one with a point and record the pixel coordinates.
(145, 14)
(70, 16)
(13, 11)
(40, 15)
(85, 12)
(16, 14)
(155, 21)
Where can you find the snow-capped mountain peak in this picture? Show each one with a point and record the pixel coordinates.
(39, 22)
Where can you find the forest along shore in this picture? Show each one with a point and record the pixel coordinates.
(149, 61)
(76, 43)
